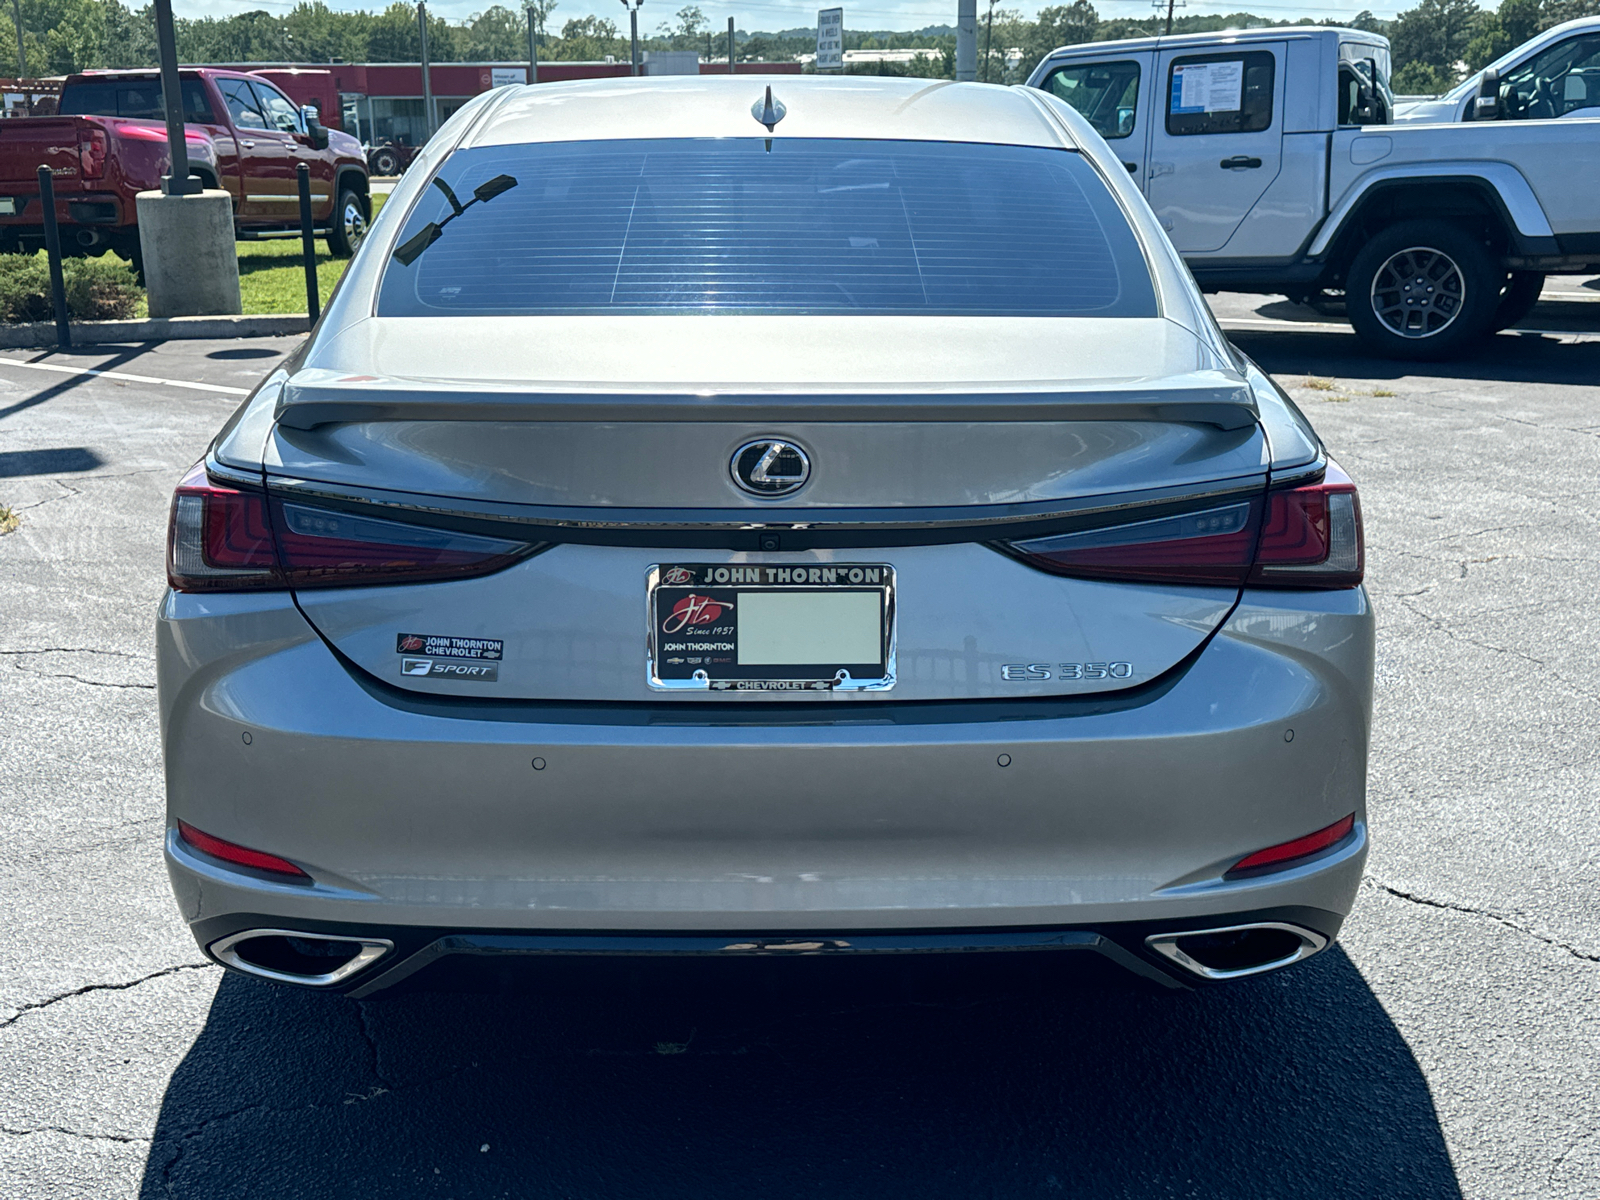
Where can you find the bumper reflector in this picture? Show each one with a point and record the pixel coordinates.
(1285, 853)
(242, 855)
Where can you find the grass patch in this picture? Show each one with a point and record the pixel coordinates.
(9, 519)
(1319, 385)
(1384, 392)
(98, 289)
(272, 279)
(272, 275)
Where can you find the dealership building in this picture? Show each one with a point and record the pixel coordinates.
(380, 102)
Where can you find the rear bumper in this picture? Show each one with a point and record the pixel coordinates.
(385, 957)
(679, 819)
(107, 210)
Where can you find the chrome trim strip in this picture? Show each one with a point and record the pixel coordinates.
(372, 949)
(1165, 944)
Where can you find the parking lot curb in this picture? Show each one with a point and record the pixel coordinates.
(95, 333)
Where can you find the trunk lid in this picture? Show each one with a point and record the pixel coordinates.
(611, 441)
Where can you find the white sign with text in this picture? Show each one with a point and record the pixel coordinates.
(830, 39)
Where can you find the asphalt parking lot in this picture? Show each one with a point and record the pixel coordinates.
(1447, 1047)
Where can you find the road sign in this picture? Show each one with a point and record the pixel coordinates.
(830, 39)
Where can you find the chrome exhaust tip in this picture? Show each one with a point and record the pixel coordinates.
(1235, 951)
(292, 956)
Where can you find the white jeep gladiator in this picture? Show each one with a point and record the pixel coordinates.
(1271, 158)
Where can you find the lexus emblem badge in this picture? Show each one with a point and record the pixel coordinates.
(770, 467)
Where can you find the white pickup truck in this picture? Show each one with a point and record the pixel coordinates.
(1270, 158)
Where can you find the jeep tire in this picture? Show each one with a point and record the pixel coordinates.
(1423, 290)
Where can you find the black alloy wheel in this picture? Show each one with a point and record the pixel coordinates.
(1423, 290)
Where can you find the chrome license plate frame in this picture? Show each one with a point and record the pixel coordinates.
(672, 587)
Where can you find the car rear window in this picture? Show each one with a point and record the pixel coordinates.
(134, 98)
(787, 226)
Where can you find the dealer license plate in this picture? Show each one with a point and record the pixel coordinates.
(771, 627)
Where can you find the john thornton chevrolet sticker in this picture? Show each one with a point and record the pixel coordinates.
(438, 645)
(441, 656)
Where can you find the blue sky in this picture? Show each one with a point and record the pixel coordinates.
(789, 14)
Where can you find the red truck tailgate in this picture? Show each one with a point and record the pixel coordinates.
(29, 143)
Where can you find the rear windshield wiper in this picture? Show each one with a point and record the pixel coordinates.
(411, 249)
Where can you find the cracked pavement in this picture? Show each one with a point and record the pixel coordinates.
(1447, 1047)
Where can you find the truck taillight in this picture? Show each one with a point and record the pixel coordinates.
(92, 152)
(224, 539)
(1309, 537)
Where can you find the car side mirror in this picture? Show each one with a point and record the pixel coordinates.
(1486, 104)
(315, 129)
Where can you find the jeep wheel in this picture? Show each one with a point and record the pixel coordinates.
(1517, 300)
(1422, 290)
(349, 224)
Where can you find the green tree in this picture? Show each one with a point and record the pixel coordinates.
(1435, 34)
(498, 34)
(588, 39)
(1061, 25)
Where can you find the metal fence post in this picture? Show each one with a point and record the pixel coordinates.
(52, 246)
(308, 243)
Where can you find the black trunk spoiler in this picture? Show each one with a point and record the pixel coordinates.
(321, 397)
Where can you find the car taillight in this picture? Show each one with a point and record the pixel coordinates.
(1212, 545)
(1312, 536)
(219, 539)
(225, 539)
(1309, 537)
(92, 152)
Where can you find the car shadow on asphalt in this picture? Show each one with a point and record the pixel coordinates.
(1513, 357)
(999, 1075)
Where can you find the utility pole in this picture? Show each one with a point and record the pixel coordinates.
(429, 117)
(533, 47)
(22, 54)
(988, 43)
(633, 7)
(1169, 5)
(177, 183)
(966, 40)
(730, 45)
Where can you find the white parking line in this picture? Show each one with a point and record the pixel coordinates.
(126, 378)
(1339, 327)
(1268, 323)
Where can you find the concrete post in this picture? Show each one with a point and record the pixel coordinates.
(191, 265)
(966, 40)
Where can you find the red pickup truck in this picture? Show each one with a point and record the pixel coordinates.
(108, 143)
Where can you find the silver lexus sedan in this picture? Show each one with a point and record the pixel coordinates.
(722, 519)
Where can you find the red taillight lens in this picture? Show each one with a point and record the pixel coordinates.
(223, 539)
(219, 539)
(1286, 853)
(1212, 546)
(321, 547)
(92, 152)
(242, 855)
(1312, 536)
